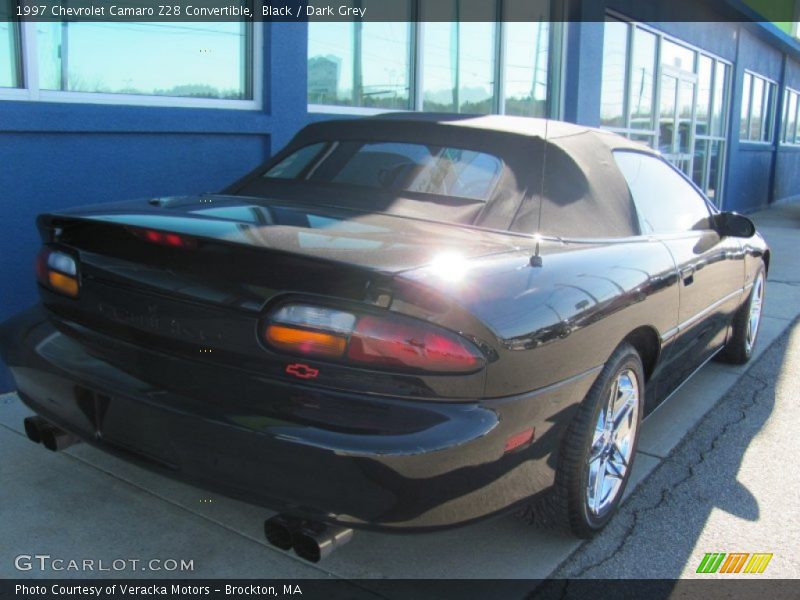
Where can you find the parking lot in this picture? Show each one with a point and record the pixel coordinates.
(82, 504)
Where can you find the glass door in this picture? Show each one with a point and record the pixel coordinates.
(676, 117)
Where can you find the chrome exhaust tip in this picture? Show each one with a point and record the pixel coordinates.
(278, 530)
(315, 541)
(33, 428)
(55, 439)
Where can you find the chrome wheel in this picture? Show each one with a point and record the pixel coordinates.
(756, 303)
(612, 442)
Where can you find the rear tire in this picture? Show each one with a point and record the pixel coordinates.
(746, 324)
(596, 454)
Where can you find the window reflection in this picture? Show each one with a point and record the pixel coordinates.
(199, 60)
(791, 103)
(362, 63)
(757, 110)
(704, 78)
(422, 169)
(720, 99)
(676, 56)
(642, 79)
(9, 55)
(612, 94)
(714, 172)
(527, 56)
(758, 107)
(450, 60)
(744, 126)
(458, 57)
(679, 107)
(330, 63)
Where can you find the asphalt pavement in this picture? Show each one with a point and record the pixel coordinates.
(730, 486)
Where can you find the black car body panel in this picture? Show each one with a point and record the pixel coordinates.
(161, 357)
(357, 459)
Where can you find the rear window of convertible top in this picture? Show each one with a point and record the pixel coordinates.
(396, 166)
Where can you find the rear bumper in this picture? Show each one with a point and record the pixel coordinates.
(358, 460)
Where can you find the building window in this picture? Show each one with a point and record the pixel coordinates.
(213, 65)
(669, 96)
(194, 60)
(791, 104)
(615, 69)
(527, 68)
(709, 145)
(366, 64)
(758, 109)
(459, 57)
(458, 66)
(10, 67)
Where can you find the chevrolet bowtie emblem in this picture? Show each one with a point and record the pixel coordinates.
(302, 371)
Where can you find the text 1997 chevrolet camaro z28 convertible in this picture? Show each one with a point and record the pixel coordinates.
(400, 323)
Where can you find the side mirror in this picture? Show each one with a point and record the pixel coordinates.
(731, 224)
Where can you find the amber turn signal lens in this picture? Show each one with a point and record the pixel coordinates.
(305, 342)
(63, 283)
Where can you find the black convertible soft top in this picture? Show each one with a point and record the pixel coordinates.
(561, 178)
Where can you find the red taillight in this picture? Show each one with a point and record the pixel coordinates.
(392, 343)
(164, 239)
(173, 239)
(386, 342)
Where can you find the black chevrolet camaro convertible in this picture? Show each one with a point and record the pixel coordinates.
(404, 322)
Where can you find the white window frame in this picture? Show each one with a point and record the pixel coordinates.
(31, 91)
(770, 109)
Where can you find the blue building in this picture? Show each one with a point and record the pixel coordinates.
(94, 112)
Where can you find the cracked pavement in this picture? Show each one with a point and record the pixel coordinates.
(731, 486)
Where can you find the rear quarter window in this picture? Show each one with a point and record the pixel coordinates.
(665, 202)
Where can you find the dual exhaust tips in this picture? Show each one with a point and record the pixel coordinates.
(41, 431)
(310, 540)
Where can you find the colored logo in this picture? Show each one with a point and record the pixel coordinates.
(734, 562)
(302, 371)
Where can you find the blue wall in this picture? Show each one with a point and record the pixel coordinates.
(750, 164)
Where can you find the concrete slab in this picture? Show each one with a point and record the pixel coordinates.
(667, 426)
(782, 300)
(476, 551)
(56, 505)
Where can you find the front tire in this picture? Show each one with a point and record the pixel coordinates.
(599, 446)
(746, 324)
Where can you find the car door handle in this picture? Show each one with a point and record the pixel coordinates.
(687, 274)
